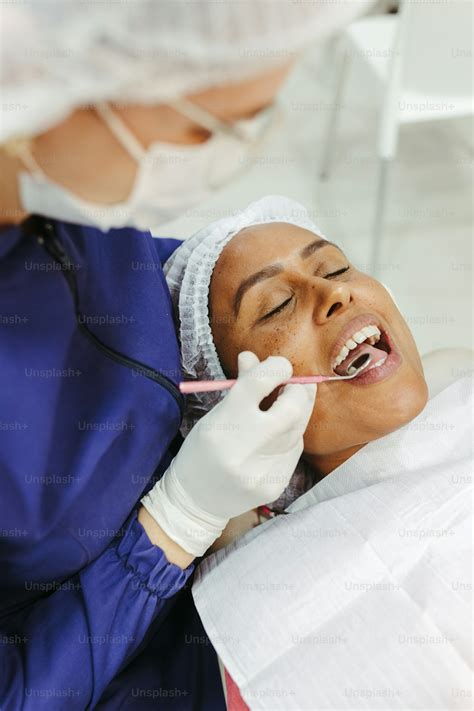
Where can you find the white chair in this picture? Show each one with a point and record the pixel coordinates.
(422, 59)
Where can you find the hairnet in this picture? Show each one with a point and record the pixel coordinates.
(57, 55)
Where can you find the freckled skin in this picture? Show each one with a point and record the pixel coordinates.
(345, 417)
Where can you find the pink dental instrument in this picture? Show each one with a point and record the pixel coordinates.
(205, 386)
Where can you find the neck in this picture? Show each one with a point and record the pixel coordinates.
(11, 211)
(324, 464)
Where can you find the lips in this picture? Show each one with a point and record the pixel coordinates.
(350, 328)
(372, 375)
(385, 346)
(356, 357)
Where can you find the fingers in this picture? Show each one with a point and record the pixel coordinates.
(293, 408)
(246, 360)
(261, 379)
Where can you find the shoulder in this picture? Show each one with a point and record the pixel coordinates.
(165, 247)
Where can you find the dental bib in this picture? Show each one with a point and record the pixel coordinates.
(359, 599)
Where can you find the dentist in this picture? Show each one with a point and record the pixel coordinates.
(114, 119)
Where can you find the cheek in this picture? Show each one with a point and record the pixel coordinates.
(343, 418)
(340, 419)
(227, 350)
(283, 341)
(409, 346)
(295, 341)
(407, 399)
(319, 434)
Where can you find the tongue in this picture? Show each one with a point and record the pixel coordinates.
(359, 351)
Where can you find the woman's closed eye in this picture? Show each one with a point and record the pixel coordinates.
(277, 309)
(287, 301)
(338, 273)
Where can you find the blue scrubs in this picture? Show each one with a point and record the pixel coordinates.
(91, 614)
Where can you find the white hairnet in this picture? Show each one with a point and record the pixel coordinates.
(188, 274)
(57, 55)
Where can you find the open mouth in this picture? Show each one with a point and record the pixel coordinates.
(369, 340)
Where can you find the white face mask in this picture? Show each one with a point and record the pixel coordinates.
(170, 178)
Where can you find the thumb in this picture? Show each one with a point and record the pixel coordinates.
(246, 361)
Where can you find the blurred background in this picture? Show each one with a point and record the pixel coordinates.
(425, 180)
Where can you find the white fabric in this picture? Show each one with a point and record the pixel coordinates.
(361, 599)
(188, 274)
(444, 365)
(57, 55)
(236, 458)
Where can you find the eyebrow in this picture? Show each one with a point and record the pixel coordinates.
(313, 247)
(274, 269)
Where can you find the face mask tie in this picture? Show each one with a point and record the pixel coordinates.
(21, 148)
(238, 129)
(120, 131)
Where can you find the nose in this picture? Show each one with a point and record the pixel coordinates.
(331, 299)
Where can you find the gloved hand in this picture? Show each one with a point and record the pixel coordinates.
(235, 458)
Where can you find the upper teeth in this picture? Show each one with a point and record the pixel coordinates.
(368, 333)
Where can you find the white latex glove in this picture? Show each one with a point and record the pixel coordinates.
(235, 458)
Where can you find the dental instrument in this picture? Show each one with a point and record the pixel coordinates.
(201, 386)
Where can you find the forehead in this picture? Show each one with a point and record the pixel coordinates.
(258, 246)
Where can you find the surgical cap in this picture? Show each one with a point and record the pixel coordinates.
(57, 55)
(188, 274)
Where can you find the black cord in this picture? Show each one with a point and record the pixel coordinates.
(44, 232)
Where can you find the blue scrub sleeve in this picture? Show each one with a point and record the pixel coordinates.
(63, 651)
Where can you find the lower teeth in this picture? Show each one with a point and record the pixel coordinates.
(380, 362)
(352, 369)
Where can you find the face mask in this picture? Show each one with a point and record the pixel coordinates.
(170, 178)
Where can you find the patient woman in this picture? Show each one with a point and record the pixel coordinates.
(267, 281)
(314, 608)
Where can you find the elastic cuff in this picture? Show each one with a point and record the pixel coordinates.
(185, 523)
(149, 563)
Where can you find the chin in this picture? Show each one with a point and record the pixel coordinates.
(399, 406)
(407, 401)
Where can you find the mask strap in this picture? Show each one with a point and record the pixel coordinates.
(120, 131)
(21, 149)
(237, 129)
(202, 117)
